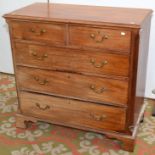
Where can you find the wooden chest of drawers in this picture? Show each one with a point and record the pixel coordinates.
(81, 68)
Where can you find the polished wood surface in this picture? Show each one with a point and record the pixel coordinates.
(39, 32)
(142, 67)
(95, 89)
(81, 59)
(126, 141)
(123, 17)
(95, 63)
(118, 40)
(73, 112)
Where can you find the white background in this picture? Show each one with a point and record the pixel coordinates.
(10, 5)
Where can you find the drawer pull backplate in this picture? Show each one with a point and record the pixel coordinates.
(37, 57)
(42, 108)
(102, 64)
(98, 91)
(38, 33)
(41, 82)
(98, 38)
(98, 117)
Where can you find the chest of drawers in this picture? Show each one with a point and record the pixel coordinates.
(81, 66)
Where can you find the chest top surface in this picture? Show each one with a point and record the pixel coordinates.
(127, 17)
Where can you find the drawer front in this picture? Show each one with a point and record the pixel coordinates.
(48, 33)
(116, 40)
(72, 112)
(97, 63)
(73, 85)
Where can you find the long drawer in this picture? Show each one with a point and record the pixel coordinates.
(97, 63)
(47, 33)
(73, 85)
(72, 112)
(117, 40)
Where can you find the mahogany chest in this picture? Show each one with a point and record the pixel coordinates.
(81, 66)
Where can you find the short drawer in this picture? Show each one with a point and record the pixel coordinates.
(73, 112)
(96, 63)
(48, 33)
(73, 85)
(117, 40)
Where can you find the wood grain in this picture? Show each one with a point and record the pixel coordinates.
(85, 65)
(80, 61)
(73, 112)
(48, 33)
(73, 85)
(142, 67)
(118, 40)
(93, 15)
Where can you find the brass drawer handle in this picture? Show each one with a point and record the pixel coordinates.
(35, 55)
(41, 82)
(98, 117)
(42, 108)
(103, 63)
(42, 31)
(98, 91)
(98, 38)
